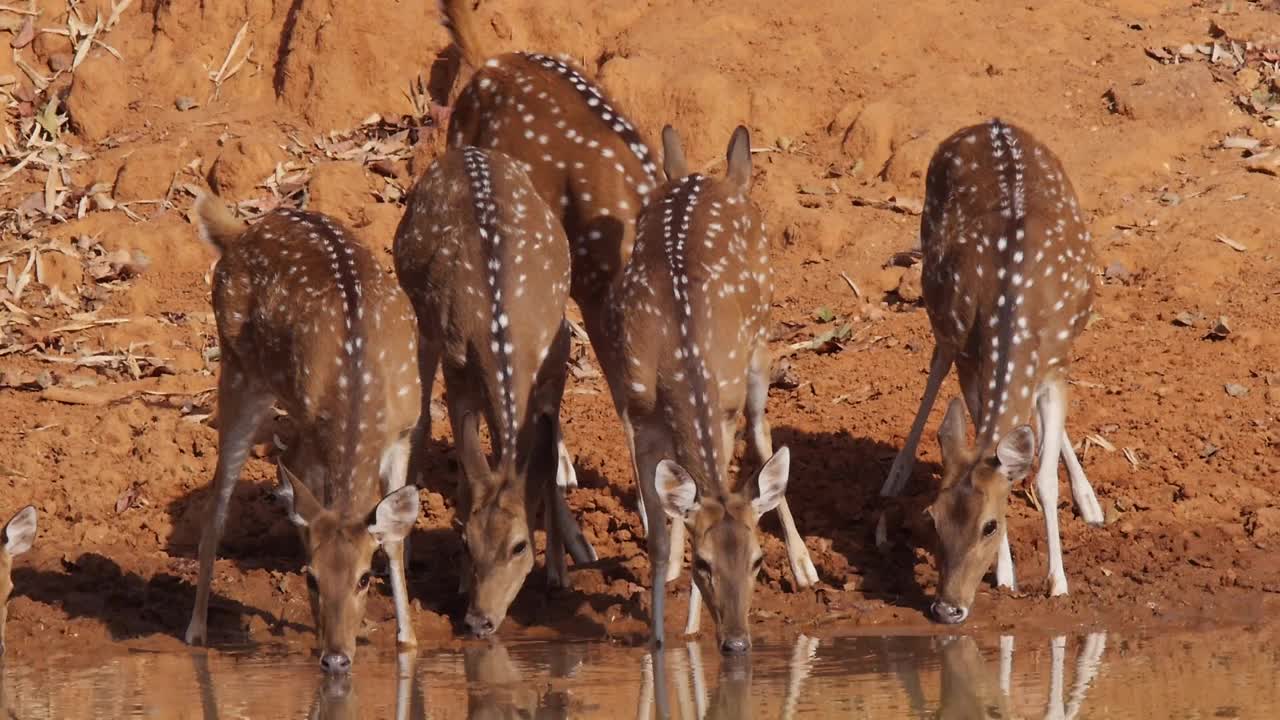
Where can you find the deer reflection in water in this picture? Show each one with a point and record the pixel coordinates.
(497, 687)
(732, 696)
(966, 679)
(970, 686)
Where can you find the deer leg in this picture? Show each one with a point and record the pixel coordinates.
(1057, 658)
(428, 362)
(395, 472)
(1052, 411)
(1005, 576)
(905, 462)
(1006, 665)
(694, 619)
(1087, 666)
(806, 648)
(1086, 500)
(802, 568)
(406, 669)
(681, 674)
(242, 409)
(675, 561)
(699, 679)
(644, 703)
(460, 413)
(630, 434)
(649, 446)
(563, 529)
(557, 569)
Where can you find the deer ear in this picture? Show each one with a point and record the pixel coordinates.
(395, 515)
(20, 531)
(953, 434)
(678, 492)
(302, 506)
(772, 480)
(672, 154)
(739, 157)
(1016, 451)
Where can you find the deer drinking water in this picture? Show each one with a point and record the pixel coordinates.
(689, 316)
(486, 265)
(307, 317)
(1008, 287)
(19, 535)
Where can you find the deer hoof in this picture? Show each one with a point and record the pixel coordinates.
(803, 571)
(195, 634)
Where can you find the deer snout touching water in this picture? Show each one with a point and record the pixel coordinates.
(307, 317)
(689, 318)
(1008, 288)
(19, 536)
(486, 265)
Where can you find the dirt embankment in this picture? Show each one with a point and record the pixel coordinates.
(109, 353)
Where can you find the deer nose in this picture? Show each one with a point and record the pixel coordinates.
(480, 625)
(947, 613)
(336, 663)
(735, 645)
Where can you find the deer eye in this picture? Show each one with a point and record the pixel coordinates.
(701, 566)
(519, 548)
(363, 583)
(755, 565)
(989, 528)
(312, 585)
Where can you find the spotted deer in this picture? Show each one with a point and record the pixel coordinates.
(586, 160)
(1008, 288)
(486, 266)
(689, 316)
(308, 318)
(19, 536)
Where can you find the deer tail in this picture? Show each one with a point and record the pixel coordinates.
(215, 222)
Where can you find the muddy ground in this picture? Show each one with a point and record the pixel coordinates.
(1163, 113)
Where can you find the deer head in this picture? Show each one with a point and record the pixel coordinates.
(969, 513)
(726, 552)
(19, 534)
(499, 521)
(339, 556)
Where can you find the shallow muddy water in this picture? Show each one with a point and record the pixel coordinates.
(1087, 675)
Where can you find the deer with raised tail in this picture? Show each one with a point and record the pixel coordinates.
(1008, 286)
(585, 159)
(308, 318)
(689, 317)
(486, 265)
(18, 537)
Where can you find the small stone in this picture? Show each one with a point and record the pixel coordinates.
(1263, 523)
(1117, 272)
(1110, 514)
(1236, 390)
(185, 103)
(1220, 329)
